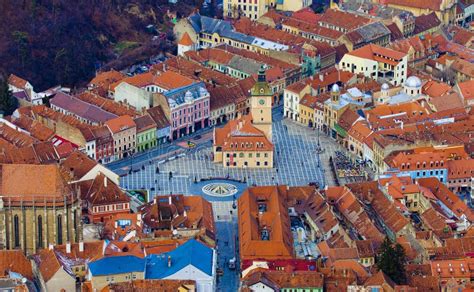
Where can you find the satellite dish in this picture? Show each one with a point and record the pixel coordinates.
(24, 280)
(175, 232)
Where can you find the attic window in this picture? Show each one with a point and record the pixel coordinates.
(262, 207)
(265, 235)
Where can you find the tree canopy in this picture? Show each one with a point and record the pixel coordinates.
(391, 260)
(8, 103)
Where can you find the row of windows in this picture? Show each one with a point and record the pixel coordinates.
(250, 155)
(39, 223)
(423, 165)
(246, 163)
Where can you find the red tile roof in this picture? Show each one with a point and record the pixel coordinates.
(186, 40)
(466, 88)
(275, 219)
(120, 124)
(378, 53)
(345, 20)
(15, 261)
(16, 81)
(241, 135)
(434, 5)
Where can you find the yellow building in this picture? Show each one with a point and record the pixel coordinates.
(252, 9)
(293, 5)
(444, 9)
(308, 110)
(333, 109)
(247, 141)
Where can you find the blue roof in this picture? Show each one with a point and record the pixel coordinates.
(190, 253)
(117, 265)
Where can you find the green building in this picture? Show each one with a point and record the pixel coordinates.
(146, 133)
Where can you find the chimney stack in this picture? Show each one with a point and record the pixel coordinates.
(170, 200)
(68, 247)
(105, 181)
(50, 246)
(81, 246)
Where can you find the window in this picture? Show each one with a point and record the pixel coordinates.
(59, 231)
(16, 231)
(40, 231)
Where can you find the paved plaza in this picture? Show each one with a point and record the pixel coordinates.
(178, 170)
(296, 163)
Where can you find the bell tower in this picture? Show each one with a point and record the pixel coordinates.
(261, 104)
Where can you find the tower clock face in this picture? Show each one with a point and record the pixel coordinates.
(261, 101)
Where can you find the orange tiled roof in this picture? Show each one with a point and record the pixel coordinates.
(343, 19)
(467, 89)
(151, 285)
(35, 128)
(16, 81)
(106, 104)
(15, 261)
(378, 53)
(102, 191)
(241, 135)
(434, 89)
(186, 40)
(167, 80)
(449, 199)
(464, 67)
(275, 219)
(77, 164)
(352, 209)
(284, 279)
(385, 209)
(298, 86)
(48, 263)
(44, 183)
(434, 5)
(120, 124)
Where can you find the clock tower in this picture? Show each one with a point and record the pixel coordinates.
(261, 104)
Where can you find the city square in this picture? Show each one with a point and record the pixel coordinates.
(178, 169)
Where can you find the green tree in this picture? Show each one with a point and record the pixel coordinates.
(391, 260)
(8, 103)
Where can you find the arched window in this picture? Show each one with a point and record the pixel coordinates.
(40, 231)
(59, 231)
(16, 231)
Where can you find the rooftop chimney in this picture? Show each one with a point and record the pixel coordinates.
(50, 246)
(105, 181)
(81, 246)
(68, 247)
(169, 200)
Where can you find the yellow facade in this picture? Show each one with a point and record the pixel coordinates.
(252, 9)
(250, 159)
(99, 282)
(307, 116)
(446, 13)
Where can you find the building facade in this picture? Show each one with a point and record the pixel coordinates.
(42, 212)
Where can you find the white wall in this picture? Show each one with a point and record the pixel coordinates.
(134, 96)
(204, 282)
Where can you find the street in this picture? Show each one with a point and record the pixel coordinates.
(176, 169)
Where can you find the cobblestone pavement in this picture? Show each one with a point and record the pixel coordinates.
(296, 163)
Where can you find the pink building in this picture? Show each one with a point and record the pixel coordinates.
(189, 108)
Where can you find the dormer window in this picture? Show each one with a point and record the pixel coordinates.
(265, 235)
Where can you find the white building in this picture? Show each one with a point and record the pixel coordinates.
(292, 96)
(378, 63)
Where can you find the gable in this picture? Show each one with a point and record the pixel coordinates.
(189, 272)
